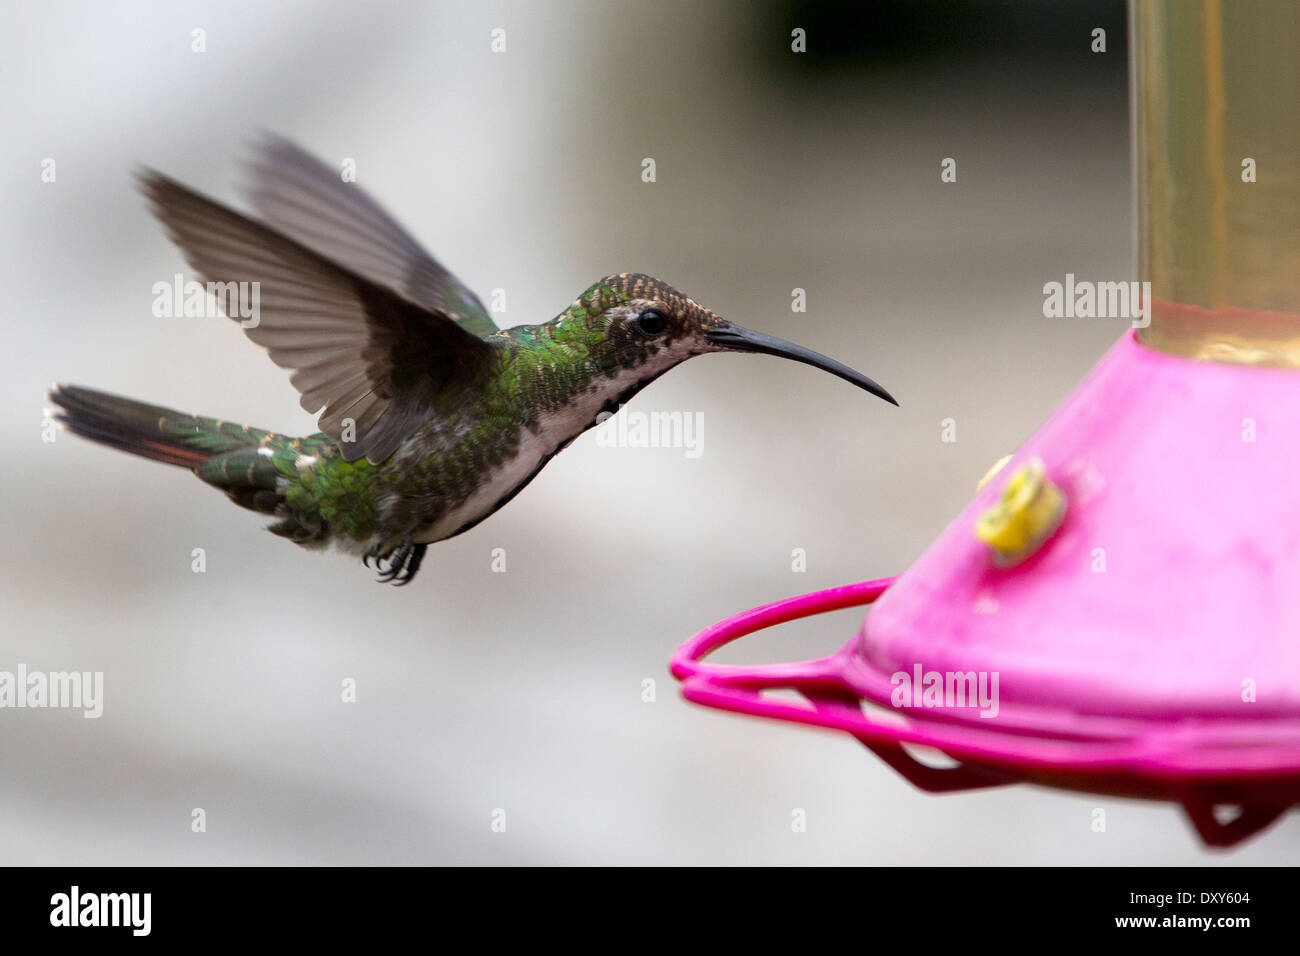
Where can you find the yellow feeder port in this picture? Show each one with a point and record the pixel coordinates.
(1027, 514)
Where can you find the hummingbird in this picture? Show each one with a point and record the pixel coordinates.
(431, 418)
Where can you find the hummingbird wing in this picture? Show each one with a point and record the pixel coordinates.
(360, 352)
(309, 201)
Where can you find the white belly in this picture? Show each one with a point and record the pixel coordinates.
(532, 449)
(555, 429)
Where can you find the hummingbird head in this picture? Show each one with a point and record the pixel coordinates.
(640, 322)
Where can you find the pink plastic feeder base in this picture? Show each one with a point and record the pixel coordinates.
(1151, 648)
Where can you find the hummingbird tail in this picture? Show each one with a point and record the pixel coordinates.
(223, 454)
(150, 431)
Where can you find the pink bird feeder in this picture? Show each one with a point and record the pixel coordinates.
(1118, 608)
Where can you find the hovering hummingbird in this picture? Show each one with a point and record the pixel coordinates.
(431, 418)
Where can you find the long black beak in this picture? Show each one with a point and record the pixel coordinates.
(745, 340)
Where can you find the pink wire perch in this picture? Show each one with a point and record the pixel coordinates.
(1131, 768)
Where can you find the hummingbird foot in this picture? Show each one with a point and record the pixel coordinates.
(398, 565)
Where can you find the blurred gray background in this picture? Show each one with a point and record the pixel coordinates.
(521, 171)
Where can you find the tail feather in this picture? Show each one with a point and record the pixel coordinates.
(256, 469)
(221, 453)
(150, 431)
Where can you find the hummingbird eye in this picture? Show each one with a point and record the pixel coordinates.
(652, 322)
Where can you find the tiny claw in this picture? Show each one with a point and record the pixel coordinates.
(398, 565)
(412, 564)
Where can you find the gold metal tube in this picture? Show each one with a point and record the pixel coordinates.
(1216, 101)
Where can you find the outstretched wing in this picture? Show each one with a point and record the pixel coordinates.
(360, 351)
(300, 196)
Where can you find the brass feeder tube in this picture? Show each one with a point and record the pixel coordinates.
(1216, 104)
